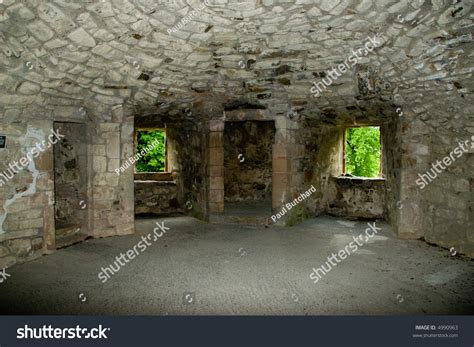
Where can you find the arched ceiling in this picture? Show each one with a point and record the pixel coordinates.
(65, 53)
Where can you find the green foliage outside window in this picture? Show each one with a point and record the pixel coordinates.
(363, 151)
(155, 159)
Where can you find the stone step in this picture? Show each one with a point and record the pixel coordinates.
(250, 220)
(65, 230)
(69, 240)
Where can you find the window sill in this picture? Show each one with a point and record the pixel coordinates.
(359, 178)
(155, 182)
(359, 181)
(165, 177)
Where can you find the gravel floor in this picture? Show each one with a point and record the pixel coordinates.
(198, 268)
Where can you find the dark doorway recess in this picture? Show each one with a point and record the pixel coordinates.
(248, 168)
(70, 184)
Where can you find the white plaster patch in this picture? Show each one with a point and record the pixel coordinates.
(39, 135)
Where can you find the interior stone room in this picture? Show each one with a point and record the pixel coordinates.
(255, 97)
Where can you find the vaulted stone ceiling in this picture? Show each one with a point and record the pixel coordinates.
(97, 54)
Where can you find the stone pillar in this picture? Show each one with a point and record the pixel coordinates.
(113, 195)
(415, 157)
(49, 236)
(281, 165)
(216, 166)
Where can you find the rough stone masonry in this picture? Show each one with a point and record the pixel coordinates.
(112, 66)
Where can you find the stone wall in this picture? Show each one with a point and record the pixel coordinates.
(434, 124)
(27, 198)
(322, 165)
(358, 198)
(27, 219)
(392, 168)
(185, 190)
(286, 153)
(322, 161)
(161, 192)
(248, 160)
(159, 198)
(64, 61)
(191, 142)
(112, 202)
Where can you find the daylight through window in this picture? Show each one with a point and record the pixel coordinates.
(153, 143)
(362, 151)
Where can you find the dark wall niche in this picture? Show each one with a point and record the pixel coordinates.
(248, 160)
(322, 166)
(183, 188)
(70, 180)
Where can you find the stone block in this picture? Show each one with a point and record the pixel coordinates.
(216, 171)
(127, 150)
(113, 145)
(216, 195)
(128, 204)
(104, 232)
(216, 139)
(117, 113)
(100, 223)
(216, 207)
(102, 204)
(125, 229)
(31, 223)
(44, 182)
(105, 192)
(113, 164)
(18, 206)
(39, 199)
(117, 218)
(461, 185)
(216, 125)
(280, 181)
(297, 151)
(44, 162)
(127, 132)
(4, 251)
(37, 244)
(99, 164)
(20, 247)
(280, 150)
(18, 234)
(109, 127)
(216, 156)
(98, 150)
(280, 165)
(7, 262)
(216, 183)
(106, 179)
(40, 30)
(49, 228)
